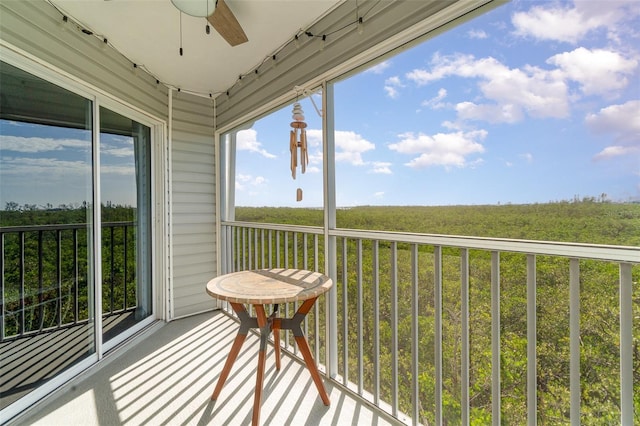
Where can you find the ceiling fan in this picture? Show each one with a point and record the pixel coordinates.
(219, 16)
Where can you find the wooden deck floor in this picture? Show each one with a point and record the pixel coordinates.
(168, 377)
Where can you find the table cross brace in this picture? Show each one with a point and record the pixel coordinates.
(266, 325)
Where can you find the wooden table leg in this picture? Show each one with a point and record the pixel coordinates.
(303, 345)
(262, 355)
(275, 326)
(245, 324)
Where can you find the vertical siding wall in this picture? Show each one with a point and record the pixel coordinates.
(35, 27)
(193, 211)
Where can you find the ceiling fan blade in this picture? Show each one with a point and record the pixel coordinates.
(227, 25)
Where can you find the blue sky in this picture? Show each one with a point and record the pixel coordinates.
(41, 165)
(532, 102)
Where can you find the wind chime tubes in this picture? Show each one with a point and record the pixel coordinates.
(298, 140)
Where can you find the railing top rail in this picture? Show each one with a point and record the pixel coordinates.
(59, 226)
(627, 254)
(277, 227)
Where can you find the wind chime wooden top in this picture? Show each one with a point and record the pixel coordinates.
(298, 139)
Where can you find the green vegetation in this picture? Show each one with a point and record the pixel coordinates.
(51, 259)
(579, 222)
(585, 222)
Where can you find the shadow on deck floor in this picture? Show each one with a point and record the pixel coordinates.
(29, 361)
(168, 379)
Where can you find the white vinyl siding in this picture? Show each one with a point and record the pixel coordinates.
(193, 216)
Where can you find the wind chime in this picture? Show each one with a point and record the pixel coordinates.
(298, 139)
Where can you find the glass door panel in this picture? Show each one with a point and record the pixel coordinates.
(47, 321)
(125, 182)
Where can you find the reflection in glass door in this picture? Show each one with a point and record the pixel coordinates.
(125, 181)
(46, 232)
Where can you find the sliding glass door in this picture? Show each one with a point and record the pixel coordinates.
(125, 183)
(75, 231)
(46, 231)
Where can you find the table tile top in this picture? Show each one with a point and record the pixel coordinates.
(268, 286)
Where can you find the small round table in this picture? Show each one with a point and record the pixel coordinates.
(269, 286)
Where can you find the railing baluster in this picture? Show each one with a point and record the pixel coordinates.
(256, 261)
(40, 284)
(262, 249)
(295, 250)
(249, 252)
(464, 320)
(437, 272)
(286, 249)
(394, 329)
(278, 249)
(626, 345)
(574, 340)
(305, 265)
(415, 337)
(495, 338)
(59, 276)
(375, 288)
(125, 256)
(345, 315)
(2, 290)
(113, 273)
(316, 308)
(360, 319)
(244, 249)
(21, 295)
(270, 252)
(532, 398)
(76, 276)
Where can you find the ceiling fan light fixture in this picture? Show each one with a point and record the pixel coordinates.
(197, 8)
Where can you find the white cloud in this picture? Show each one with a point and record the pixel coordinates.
(436, 101)
(572, 24)
(117, 170)
(247, 140)
(349, 149)
(35, 144)
(392, 92)
(350, 146)
(43, 168)
(598, 71)
(511, 94)
(123, 152)
(617, 151)
(479, 34)
(247, 182)
(391, 86)
(381, 167)
(442, 149)
(527, 156)
(379, 194)
(620, 120)
(380, 68)
(561, 24)
(514, 92)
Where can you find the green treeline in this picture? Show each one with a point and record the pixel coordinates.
(46, 270)
(584, 221)
(579, 222)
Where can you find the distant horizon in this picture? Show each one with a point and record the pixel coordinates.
(78, 205)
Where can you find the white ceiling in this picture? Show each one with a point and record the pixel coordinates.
(148, 33)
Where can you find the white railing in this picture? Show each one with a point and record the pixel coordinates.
(421, 317)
